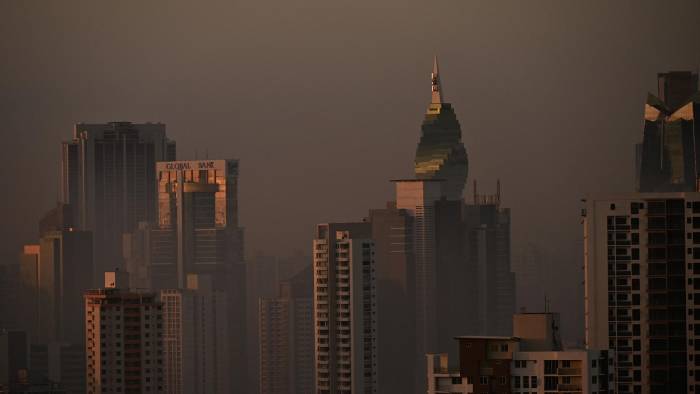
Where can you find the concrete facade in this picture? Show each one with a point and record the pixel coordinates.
(345, 312)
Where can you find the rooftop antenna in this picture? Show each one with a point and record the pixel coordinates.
(59, 186)
(498, 192)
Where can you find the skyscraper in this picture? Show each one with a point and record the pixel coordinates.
(392, 232)
(108, 177)
(10, 295)
(29, 266)
(266, 276)
(667, 158)
(14, 358)
(197, 229)
(197, 232)
(65, 272)
(195, 339)
(642, 288)
(286, 332)
(418, 198)
(59, 362)
(345, 309)
(441, 153)
(487, 226)
(124, 339)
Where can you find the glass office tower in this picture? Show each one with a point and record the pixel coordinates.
(441, 153)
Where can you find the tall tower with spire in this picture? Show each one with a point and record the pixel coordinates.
(441, 153)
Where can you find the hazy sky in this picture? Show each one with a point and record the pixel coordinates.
(322, 101)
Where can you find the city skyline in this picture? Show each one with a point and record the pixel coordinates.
(208, 83)
(316, 210)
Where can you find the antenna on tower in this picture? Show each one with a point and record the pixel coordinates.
(498, 192)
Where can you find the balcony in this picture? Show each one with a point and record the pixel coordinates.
(569, 371)
(569, 388)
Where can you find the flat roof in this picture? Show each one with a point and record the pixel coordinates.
(418, 180)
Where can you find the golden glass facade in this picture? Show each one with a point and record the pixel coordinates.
(441, 153)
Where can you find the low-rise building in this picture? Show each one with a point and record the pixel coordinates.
(530, 361)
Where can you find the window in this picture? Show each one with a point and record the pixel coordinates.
(504, 347)
(457, 380)
(502, 380)
(550, 367)
(594, 379)
(594, 363)
(533, 382)
(526, 382)
(483, 380)
(516, 382)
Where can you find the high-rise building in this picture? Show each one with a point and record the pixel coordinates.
(109, 178)
(392, 232)
(10, 296)
(488, 238)
(530, 361)
(65, 272)
(14, 358)
(197, 229)
(137, 256)
(124, 338)
(54, 274)
(441, 153)
(29, 266)
(286, 332)
(642, 288)
(197, 232)
(345, 311)
(265, 276)
(59, 362)
(668, 155)
(195, 338)
(418, 199)
(262, 282)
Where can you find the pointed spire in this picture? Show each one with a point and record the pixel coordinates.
(436, 86)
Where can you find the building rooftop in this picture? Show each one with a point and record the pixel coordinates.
(496, 338)
(418, 180)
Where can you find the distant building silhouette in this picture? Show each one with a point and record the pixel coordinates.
(265, 276)
(108, 177)
(392, 232)
(487, 226)
(11, 302)
(195, 338)
(286, 332)
(59, 362)
(14, 358)
(418, 199)
(54, 274)
(65, 262)
(667, 158)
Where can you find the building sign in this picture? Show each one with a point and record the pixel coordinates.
(196, 165)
